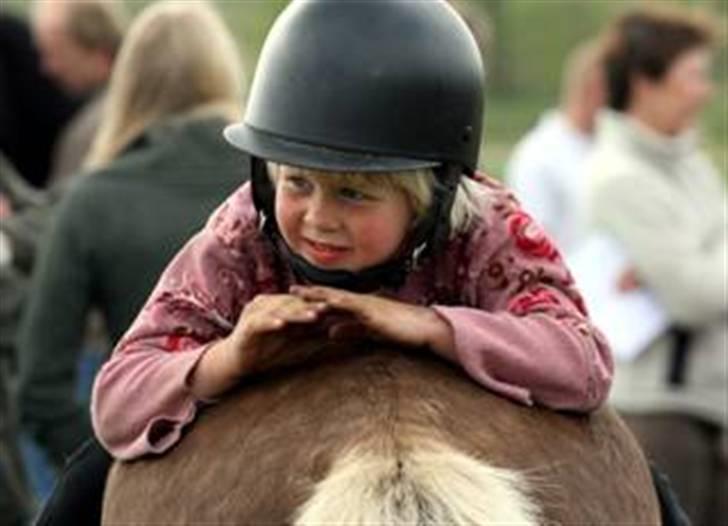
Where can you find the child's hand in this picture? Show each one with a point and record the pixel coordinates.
(267, 326)
(378, 317)
(271, 330)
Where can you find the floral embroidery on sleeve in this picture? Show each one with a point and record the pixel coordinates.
(529, 237)
(535, 300)
(527, 268)
(179, 341)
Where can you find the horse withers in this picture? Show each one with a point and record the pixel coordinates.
(375, 435)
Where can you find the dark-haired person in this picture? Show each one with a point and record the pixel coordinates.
(653, 189)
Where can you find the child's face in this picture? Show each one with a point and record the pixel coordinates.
(335, 224)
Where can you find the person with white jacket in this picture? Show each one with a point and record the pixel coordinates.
(652, 188)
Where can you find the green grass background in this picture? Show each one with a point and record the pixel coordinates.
(526, 43)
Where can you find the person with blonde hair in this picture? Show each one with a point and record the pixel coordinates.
(159, 165)
(654, 190)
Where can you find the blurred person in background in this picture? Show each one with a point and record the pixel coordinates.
(52, 81)
(159, 167)
(15, 496)
(33, 111)
(653, 189)
(78, 41)
(546, 169)
(33, 107)
(19, 236)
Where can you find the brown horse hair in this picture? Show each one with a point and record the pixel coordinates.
(368, 433)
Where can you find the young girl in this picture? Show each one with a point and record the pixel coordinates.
(364, 218)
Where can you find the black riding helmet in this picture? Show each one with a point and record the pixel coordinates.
(366, 86)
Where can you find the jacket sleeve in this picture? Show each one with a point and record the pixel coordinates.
(680, 260)
(141, 400)
(525, 332)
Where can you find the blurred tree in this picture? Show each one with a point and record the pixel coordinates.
(488, 22)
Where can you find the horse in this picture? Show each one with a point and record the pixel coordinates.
(368, 433)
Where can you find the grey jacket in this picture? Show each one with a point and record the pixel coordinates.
(113, 234)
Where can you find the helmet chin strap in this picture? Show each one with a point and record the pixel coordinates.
(431, 232)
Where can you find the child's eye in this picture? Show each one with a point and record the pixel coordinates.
(352, 194)
(297, 183)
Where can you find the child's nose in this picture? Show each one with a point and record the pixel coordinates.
(321, 213)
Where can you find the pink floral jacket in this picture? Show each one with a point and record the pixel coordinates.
(520, 327)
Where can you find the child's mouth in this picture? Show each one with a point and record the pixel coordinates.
(323, 253)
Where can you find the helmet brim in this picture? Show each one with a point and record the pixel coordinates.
(273, 148)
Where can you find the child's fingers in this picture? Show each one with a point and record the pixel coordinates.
(324, 294)
(295, 312)
(309, 293)
(335, 298)
(265, 324)
(299, 316)
(277, 315)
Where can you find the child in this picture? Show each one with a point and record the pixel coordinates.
(364, 217)
(365, 204)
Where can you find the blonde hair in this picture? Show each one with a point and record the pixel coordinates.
(177, 58)
(417, 186)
